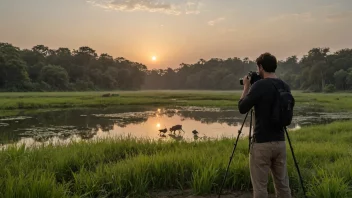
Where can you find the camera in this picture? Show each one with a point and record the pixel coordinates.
(254, 77)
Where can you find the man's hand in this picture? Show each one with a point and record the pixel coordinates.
(246, 85)
(246, 82)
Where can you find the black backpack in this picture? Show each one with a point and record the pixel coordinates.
(282, 108)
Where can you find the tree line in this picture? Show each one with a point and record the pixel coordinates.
(45, 69)
(317, 71)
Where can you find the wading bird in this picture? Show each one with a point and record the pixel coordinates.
(195, 132)
(176, 128)
(163, 130)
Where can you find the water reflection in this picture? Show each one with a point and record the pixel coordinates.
(142, 122)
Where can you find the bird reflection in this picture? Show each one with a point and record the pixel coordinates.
(88, 134)
(176, 137)
(195, 137)
(195, 134)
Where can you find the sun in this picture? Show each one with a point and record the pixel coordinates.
(153, 58)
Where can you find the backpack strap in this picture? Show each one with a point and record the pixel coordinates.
(276, 86)
(276, 97)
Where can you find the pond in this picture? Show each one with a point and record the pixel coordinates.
(63, 126)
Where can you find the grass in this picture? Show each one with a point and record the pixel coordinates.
(10, 103)
(136, 168)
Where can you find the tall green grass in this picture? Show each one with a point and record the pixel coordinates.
(136, 168)
(27, 101)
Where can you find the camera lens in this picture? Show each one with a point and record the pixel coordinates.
(241, 81)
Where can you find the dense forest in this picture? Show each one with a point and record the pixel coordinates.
(44, 69)
(317, 71)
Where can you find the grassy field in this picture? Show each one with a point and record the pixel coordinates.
(12, 102)
(137, 168)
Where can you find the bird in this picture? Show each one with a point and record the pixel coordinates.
(195, 132)
(163, 130)
(176, 128)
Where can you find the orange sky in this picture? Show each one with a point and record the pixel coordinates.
(177, 31)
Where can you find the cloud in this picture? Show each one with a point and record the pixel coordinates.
(215, 21)
(339, 16)
(191, 7)
(302, 17)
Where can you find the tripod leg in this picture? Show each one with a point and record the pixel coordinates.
(296, 164)
(233, 151)
(250, 133)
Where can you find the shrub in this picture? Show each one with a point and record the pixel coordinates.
(329, 88)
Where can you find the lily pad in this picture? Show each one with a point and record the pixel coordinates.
(15, 118)
(4, 124)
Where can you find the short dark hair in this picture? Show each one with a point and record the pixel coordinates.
(268, 62)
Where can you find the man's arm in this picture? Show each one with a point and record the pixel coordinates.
(249, 98)
(245, 92)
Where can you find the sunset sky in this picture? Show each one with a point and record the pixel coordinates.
(176, 31)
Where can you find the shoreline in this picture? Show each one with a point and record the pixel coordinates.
(135, 168)
(12, 103)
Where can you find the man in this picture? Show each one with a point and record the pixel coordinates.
(268, 149)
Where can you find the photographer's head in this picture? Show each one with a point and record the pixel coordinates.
(267, 64)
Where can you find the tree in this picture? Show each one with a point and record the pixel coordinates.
(42, 68)
(110, 78)
(13, 74)
(341, 79)
(349, 78)
(55, 76)
(317, 61)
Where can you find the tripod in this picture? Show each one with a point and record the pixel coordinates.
(250, 139)
(296, 164)
(235, 145)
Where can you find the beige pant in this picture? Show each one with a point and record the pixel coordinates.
(264, 157)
